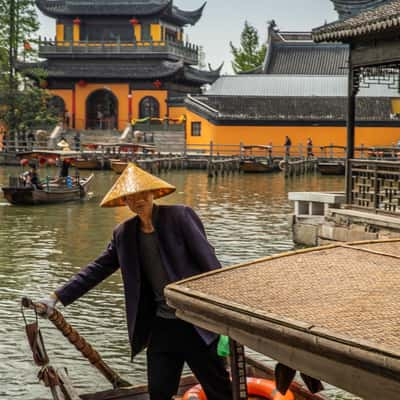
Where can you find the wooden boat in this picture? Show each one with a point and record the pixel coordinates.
(257, 158)
(88, 163)
(257, 166)
(118, 166)
(333, 167)
(18, 194)
(56, 190)
(62, 387)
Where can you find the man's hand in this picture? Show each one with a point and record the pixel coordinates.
(48, 304)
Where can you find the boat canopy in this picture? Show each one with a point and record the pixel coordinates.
(330, 312)
(54, 154)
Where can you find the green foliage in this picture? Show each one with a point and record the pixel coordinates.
(250, 54)
(23, 106)
(30, 109)
(18, 23)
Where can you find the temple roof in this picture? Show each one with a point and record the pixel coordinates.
(371, 21)
(294, 53)
(350, 8)
(259, 110)
(306, 59)
(123, 70)
(131, 8)
(291, 86)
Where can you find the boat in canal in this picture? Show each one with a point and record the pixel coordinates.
(53, 189)
(62, 387)
(331, 167)
(258, 159)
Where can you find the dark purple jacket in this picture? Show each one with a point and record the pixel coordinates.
(184, 250)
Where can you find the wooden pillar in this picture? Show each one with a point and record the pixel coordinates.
(59, 32)
(73, 111)
(76, 34)
(353, 86)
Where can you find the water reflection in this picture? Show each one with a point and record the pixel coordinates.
(42, 246)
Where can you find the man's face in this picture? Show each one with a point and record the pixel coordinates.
(141, 203)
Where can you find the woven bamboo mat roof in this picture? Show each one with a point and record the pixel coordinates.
(347, 291)
(346, 294)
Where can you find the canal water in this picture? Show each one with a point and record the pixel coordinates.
(246, 217)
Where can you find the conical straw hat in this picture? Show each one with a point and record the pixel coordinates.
(133, 181)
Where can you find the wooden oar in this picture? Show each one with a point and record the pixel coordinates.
(78, 341)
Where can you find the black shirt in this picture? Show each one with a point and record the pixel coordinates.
(155, 272)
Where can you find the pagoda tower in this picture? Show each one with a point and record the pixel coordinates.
(117, 60)
(349, 8)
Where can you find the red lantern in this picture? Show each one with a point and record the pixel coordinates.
(51, 162)
(77, 21)
(157, 84)
(82, 83)
(24, 162)
(43, 84)
(134, 21)
(42, 161)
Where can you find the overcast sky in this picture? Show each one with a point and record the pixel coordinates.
(223, 22)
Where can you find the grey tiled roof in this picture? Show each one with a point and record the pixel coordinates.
(291, 86)
(308, 59)
(237, 108)
(112, 70)
(383, 18)
(131, 8)
(349, 8)
(119, 70)
(100, 7)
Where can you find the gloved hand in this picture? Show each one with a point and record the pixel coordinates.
(48, 303)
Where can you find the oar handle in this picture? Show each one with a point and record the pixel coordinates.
(73, 336)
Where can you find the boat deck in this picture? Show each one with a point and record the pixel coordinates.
(332, 312)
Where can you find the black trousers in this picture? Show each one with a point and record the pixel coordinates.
(174, 342)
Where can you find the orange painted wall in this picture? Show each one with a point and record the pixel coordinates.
(321, 136)
(120, 90)
(138, 95)
(66, 95)
(177, 112)
(207, 132)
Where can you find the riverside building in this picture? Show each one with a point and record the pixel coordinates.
(117, 60)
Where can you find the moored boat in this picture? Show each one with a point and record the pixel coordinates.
(18, 194)
(87, 163)
(118, 166)
(331, 167)
(258, 159)
(257, 166)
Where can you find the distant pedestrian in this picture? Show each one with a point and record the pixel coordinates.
(310, 148)
(288, 144)
(77, 141)
(66, 119)
(31, 140)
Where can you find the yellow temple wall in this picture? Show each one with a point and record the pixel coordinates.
(159, 95)
(120, 91)
(321, 135)
(66, 95)
(176, 112)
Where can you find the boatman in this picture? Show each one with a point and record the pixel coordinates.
(160, 245)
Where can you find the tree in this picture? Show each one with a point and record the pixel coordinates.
(250, 54)
(23, 105)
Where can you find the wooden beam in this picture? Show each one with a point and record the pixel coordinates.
(364, 372)
(379, 52)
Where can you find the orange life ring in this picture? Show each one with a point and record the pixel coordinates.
(255, 387)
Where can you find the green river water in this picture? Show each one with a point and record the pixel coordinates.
(246, 217)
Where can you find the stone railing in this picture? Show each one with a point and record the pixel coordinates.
(375, 185)
(187, 51)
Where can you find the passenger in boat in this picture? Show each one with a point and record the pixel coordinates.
(31, 178)
(160, 245)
